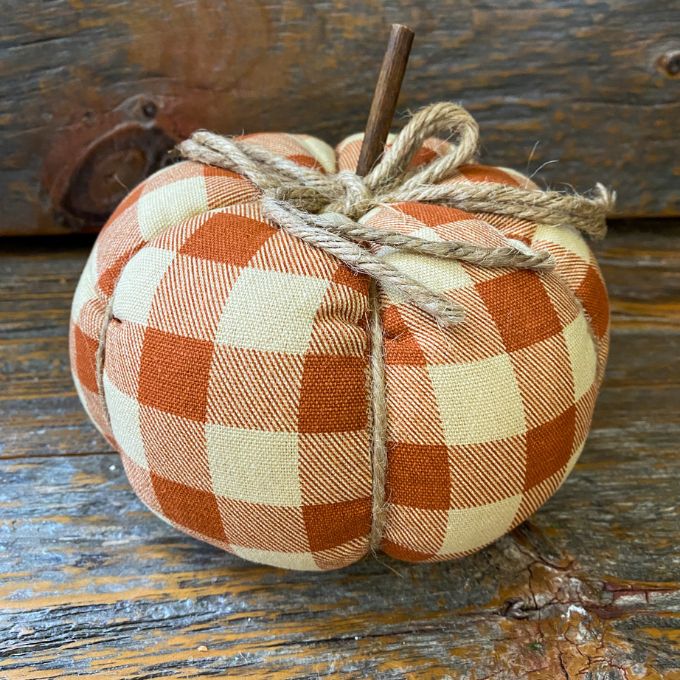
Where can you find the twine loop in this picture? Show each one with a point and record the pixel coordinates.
(326, 209)
(355, 195)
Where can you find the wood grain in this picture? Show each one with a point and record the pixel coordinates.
(92, 93)
(92, 583)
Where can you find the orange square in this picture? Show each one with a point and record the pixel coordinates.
(109, 277)
(424, 155)
(400, 552)
(228, 238)
(486, 473)
(186, 461)
(593, 295)
(214, 171)
(329, 525)
(85, 350)
(263, 527)
(433, 215)
(521, 308)
(333, 395)
(401, 347)
(549, 447)
(346, 277)
(305, 161)
(404, 350)
(485, 173)
(174, 373)
(256, 390)
(191, 508)
(418, 476)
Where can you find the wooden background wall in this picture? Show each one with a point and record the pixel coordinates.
(93, 93)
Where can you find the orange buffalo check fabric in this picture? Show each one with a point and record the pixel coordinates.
(233, 374)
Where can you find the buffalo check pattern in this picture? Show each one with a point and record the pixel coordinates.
(228, 363)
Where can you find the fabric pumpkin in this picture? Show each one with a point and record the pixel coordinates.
(228, 363)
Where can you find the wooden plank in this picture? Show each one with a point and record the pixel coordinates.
(38, 402)
(91, 95)
(92, 583)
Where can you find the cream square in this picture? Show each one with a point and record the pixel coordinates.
(479, 401)
(86, 288)
(436, 273)
(571, 463)
(138, 282)
(582, 355)
(427, 234)
(171, 204)
(321, 151)
(286, 560)
(124, 417)
(472, 528)
(271, 311)
(567, 237)
(254, 466)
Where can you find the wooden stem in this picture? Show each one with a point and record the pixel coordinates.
(385, 97)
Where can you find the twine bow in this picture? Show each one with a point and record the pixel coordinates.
(325, 209)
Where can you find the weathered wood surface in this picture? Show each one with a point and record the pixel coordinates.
(92, 583)
(91, 94)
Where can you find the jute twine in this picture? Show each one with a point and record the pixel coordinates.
(325, 210)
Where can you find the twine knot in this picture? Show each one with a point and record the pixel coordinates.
(355, 196)
(325, 210)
